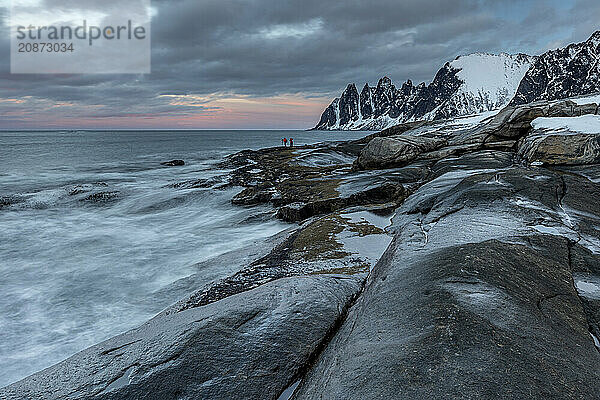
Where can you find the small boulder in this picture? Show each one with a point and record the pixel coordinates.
(396, 151)
(562, 148)
(173, 163)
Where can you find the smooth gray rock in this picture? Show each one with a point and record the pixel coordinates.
(582, 211)
(248, 346)
(586, 270)
(474, 299)
(396, 151)
(483, 159)
(561, 148)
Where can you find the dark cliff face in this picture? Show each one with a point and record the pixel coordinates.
(444, 85)
(349, 105)
(366, 102)
(329, 116)
(559, 74)
(385, 98)
(373, 102)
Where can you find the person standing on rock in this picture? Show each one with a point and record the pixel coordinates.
(291, 142)
(284, 142)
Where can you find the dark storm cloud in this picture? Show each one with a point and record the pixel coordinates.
(271, 47)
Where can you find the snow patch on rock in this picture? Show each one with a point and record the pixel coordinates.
(589, 124)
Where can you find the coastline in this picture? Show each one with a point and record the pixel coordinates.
(99, 237)
(423, 243)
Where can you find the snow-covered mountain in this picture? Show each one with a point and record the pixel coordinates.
(468, 85)
(563, 73)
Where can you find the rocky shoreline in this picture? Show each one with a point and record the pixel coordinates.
(447, 259)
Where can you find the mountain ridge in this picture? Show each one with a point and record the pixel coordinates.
(470, 84)
(450, 93)
(566, 72)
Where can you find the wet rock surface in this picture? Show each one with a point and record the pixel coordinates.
(244, 347)
(311, 180)
(322, 246)
(381, 194)
(480, 283)
(173, 163)
(7, 201)
(462, 261)
(486, 320)
(100, 197)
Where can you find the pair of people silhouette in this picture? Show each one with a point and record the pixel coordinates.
(285, 142)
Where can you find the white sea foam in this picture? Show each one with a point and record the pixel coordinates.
(76, 271)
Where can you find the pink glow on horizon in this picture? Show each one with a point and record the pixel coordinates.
(183, 112)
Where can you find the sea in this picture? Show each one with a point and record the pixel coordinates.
(95, 233)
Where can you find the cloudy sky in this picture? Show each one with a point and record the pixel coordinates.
(244, 64)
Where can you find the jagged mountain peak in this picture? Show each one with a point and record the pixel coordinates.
(469, 84)
(595, 37)
(562, 73)
(350, 89)
(384, 82)
(407, 87)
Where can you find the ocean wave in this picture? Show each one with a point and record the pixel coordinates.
(64, 196)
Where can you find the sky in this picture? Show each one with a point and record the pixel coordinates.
(276, 64)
